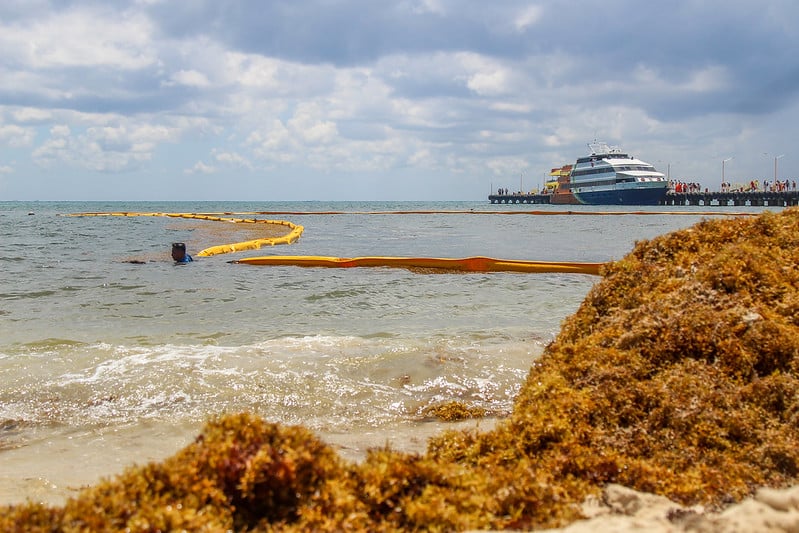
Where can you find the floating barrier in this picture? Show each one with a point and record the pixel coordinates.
(295, 231)
(254, 244)
(466, 264)
(486, 212)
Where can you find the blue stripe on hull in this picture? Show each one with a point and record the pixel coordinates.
(647, 196)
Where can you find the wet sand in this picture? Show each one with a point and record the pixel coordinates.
(51, 469)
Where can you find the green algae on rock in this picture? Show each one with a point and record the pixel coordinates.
(678, 375)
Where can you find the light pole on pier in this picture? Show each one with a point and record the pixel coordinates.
(723, 162)
(775, 165)
(668, 168)
(776, 158)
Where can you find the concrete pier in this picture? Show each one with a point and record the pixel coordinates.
(738, 199)
(720, 199)
(519, 198)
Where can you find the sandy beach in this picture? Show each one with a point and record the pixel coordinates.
(50, 471)
(624, 510)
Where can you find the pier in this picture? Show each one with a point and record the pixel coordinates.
(721, 199)
(738, 199)
(519, 198)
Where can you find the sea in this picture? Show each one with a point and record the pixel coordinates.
(112, 355)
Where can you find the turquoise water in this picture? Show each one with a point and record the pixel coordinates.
(105, 362)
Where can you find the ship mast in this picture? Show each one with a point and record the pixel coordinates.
(601, 147)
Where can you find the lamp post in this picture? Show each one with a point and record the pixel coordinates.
(723, 162)
(668, 168)
(776, 158)
(775, 165)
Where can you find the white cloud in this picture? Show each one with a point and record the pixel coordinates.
(494, 82)
(110, 148)
(5, 169)
(529, 16)
(16, 136)
(313, 131)
(273, 142)
(31, 114)
(82, 37)
(713, 78)
(54, 150)
(200, 168)
(233, 159)
(295, 139)
(703, 80)
(484, 75)
(254, 71)
(189, 78)
(60, 130)
(511, 167)
(146, 136)
(424, 6)
(511, 107)
(258, 76)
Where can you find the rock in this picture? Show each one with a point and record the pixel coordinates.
(624, 510)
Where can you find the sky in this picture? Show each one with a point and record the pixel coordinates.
(385, 100)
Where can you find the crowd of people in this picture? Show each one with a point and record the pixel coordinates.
(683, 187)
(753, 186)
(756, 186)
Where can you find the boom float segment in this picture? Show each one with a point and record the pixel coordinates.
(515, 212)
(254, 244)
(466, 264)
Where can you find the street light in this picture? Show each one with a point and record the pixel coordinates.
(668, 168)
(723, 161)
(776, 157)
(775, 166)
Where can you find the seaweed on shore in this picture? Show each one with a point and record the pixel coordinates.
(453, 411)
(678, 375)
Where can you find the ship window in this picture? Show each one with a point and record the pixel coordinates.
(591, 171)
(598, 182)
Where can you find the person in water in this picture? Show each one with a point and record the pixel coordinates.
(179, 253)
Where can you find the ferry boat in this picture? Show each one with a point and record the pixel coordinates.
(608, 177)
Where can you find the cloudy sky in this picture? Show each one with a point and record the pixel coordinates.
(384, 100)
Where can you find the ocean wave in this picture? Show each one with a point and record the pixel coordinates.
(322, 381)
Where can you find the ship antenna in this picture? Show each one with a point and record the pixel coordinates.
(597, 147)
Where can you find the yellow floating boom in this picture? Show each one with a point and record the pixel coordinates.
(466, 264)
(254, 244)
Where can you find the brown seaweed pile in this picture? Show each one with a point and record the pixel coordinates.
(678, 375)
(453, 411)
